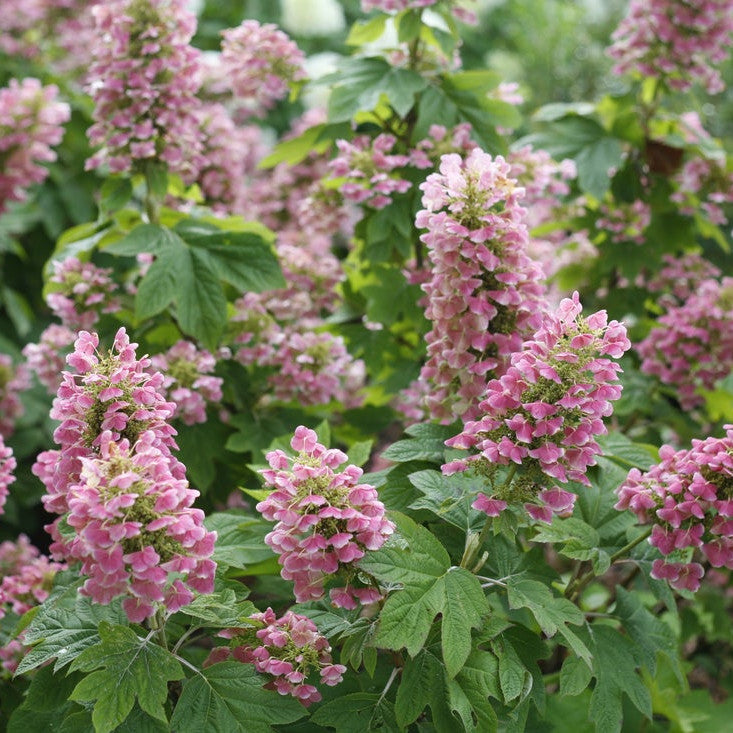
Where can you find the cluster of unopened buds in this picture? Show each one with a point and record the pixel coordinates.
(188, 381)
(368, 167)
(688, 498)
(287, 649)
(326, 520)
(545, 412)
(81, 293)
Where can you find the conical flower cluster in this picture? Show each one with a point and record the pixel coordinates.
(326, 520)
(688, 497)
(117, 484)
(544, 413)
(286, 649)
(485, 294)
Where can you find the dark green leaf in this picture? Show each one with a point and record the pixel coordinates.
(114, 194)
(202, 307)
(157, 290)
(418, 686)
(575, 676)
(359, 712)
(124, 668)
(594, 163)
(145, 238)
(552, 613)
(229, 697)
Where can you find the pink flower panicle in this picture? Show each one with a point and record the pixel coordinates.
(308, 366)
(26, 578)
(459, 8)
(144, 81)
(485, 294)
(287, 649)
(678, 41)
(625, 222)
(187, 380)
(260, 62)
(326, 520)
(703, 185)
(13, 381)
(680, 277)
(136, 531)
(31, 123)
(109, 392)
(442, 141)
(368, 167)
(688, 498)
(82, 292)
(691, 346)
(7, 466)
(47, 358)
(543, 414)
(230, 153)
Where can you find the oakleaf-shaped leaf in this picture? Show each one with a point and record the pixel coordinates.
(124, 668)
(229, 697)
(552, 613)
(65, 625)
(464, 607)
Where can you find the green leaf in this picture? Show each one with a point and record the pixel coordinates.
(156, 178)
(514, 677)
(594, 163)
(465, 606)
(131, 669)
(614, 667)
(229, 697)
(366, 31)
(219, 610)
(575, 676)
(157, 290)
(650, 634)
(240, 539)
(65, 625)
(145, 238)
(415, 449)
(552, 613)
(361, 82)
(359, 712)
(625, 452)
(468, 694)
(418, 686)
(114, 194)
(408, 26)
(242, 259)
(201, 305)
(418, 562)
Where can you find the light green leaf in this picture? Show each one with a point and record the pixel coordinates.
(365, 31)
(201, 305)
(361, 82)
(650, 634)
(594, 163)
(229, 697)
(614, 666)
(128, 668)
(157, 290)
(465, 606)
(219, 610)
(65, 625)
(145, 238)
(552, 613)
(575, 676)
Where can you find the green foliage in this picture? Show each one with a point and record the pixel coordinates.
(430, 585)
(229, 697)
(124, 668)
